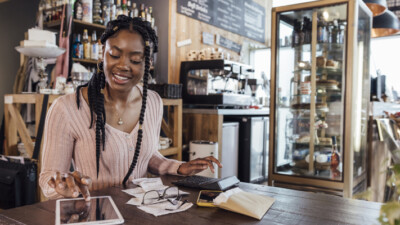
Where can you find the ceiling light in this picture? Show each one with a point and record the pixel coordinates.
(376, 6)
(385, 24)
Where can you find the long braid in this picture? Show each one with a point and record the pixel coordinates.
(97, 83)
(143, 109)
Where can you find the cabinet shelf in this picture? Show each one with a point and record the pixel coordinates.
(52, 24)
(197, 77)
(86, 61)
(333, 47)
(90, 25)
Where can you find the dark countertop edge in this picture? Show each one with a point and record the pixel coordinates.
(263, 111)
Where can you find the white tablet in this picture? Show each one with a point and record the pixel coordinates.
(100, 210)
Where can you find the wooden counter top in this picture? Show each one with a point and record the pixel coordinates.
(290, 207)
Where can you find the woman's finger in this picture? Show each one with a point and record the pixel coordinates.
(86, 180)
(199, 167)
(52, 182)
(212, 158)
(82, 183)
(199, 161)
(204, 161)
(72, 187)
(59, 182)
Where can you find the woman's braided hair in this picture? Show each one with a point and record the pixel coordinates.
(97, 82)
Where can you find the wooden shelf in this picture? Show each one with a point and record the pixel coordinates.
(169, 151)
(52, 24)
(15, 126)
(86, 61)
(94, 25)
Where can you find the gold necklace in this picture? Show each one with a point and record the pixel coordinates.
(120, 121)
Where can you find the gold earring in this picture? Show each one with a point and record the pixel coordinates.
(98, 68)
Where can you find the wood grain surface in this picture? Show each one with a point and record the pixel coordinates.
(290, 207)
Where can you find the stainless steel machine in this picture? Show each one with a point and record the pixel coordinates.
(214, 83)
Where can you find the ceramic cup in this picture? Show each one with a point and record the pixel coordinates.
(208, 53)
(227, 56)
(219, 55)
(164, 142)
(192, 55)
(201, 56)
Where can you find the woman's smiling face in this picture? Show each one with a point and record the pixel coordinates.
(124, 60)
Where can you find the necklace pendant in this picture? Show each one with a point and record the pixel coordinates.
(120, 122)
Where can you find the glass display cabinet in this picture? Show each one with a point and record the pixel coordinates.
(320, 96)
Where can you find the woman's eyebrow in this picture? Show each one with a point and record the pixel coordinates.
(131, 53)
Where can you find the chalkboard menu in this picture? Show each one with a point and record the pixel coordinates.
(243, 17)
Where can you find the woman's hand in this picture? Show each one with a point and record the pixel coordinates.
(197, 165)
(71, 184)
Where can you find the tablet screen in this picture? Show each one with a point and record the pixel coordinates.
(100, 210)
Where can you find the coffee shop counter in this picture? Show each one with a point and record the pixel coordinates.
(228, 112)
(216, 125)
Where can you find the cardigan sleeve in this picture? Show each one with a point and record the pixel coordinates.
(58, 146)
(158, 164)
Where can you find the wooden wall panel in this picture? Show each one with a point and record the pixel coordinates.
(183, 28)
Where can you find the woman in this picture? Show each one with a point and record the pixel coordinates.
(122, 146)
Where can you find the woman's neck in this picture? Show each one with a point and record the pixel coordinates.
(121, 98)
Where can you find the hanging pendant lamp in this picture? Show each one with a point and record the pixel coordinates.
(376, 6)
(385, 24)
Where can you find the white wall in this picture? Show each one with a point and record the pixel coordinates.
(385, 56)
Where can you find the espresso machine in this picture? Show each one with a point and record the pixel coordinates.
(213, 83)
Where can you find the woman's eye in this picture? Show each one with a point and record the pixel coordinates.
(114, 56)
(136, 61)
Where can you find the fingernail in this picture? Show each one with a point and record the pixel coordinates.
(60, 185)
(204, 167)
(76, 194)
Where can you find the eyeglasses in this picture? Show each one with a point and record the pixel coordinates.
(170, 194)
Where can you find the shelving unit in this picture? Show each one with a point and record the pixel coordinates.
(328, 96)
(15, 127)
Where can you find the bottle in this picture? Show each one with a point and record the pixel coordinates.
(152, 19)
(295, 34)
(100, 46)
(129, 6)
(118, 8)
(308, 30)
(87, 6)
(149, 12)
(77, 48)
(135, 10)
(113, 10)
(335, 157)
(97, 17)
(95, 47)
(106, 13)
(335, 32)
(124, 7)
(142, 12)
(86, 45)
(301, 33)
(320, 31)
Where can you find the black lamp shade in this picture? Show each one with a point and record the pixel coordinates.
(376, 6)
(385, 24)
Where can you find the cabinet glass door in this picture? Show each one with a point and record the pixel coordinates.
(360, 90)
(310, 75)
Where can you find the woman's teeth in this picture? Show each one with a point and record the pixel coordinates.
(120, 78)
